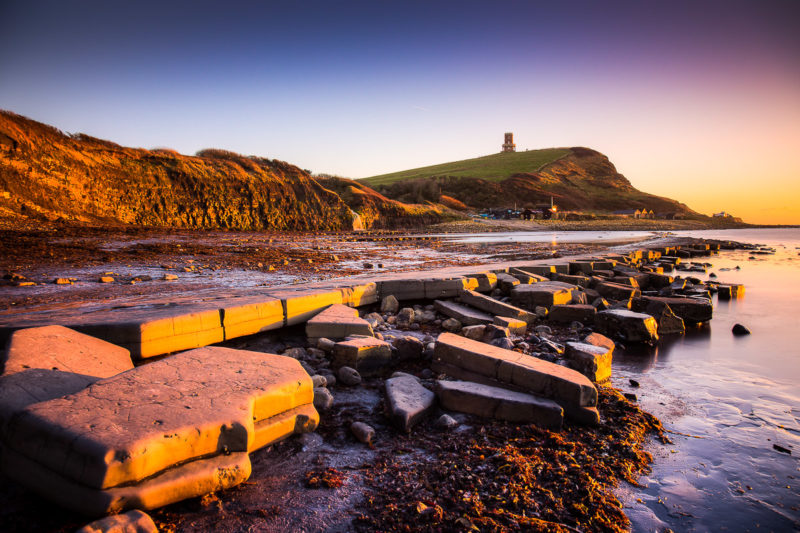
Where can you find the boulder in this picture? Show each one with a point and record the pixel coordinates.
(408, 402)
(452, 325)
(592, 361)
(627, 325)
(599, 340)
(500, 404)
(368, 355)
(405, 317)
(572, 313)
(585, 268)
(525, 277)
(495, 307)
(465, 315)
(390, 305)
(337, 322)
(546, 294)
(408, 348)
(473, 332)
(65, 350)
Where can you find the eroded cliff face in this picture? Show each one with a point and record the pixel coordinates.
(47, 175)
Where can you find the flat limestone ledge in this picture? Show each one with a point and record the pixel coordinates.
(156, 330)
(354, 293)
(430, 288)
(337, 322)
(60, 348)
(250, 315)
(408, 402)
(495, 307)
(21, 389)
(368, 355)
(300, 304)
(545, 294)
(134, 521)
(466, 315)
(139, 423)
(189, 480)
(590, 360)
(501, 404)
(532, 375)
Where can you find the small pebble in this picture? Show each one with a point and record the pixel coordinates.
(363, 432)
(349, 376)
(446, 422)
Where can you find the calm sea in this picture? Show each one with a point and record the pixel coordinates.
(726, 400)
(737, 397)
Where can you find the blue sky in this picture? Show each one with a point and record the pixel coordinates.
(695, 100)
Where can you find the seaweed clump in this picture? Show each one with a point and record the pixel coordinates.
(502, 477)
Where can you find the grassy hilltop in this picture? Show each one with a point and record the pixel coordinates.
(578, 179)
(495, 167)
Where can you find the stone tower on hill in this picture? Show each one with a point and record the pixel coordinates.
(508, 145)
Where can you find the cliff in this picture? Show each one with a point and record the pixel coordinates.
(47, 175)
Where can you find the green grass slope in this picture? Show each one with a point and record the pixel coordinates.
(495, 167)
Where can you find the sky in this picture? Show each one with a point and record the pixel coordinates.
(698, 101)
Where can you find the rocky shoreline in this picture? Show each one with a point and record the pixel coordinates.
(536, 446)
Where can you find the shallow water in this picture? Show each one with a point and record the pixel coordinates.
(727, 400)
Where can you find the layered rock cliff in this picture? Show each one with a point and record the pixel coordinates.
(48, 175)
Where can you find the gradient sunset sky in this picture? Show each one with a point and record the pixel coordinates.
(698, 101)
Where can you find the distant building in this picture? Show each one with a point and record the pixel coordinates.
(630, 213)
(508, 145)
(722, 214)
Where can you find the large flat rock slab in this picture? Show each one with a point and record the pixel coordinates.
(529, 374)
(495, 307)
(155, 330)
(337, 322)
(137, 424)
(408, 402)
(189, 480)
(21, 389)
(466, 315)
(65, 350)
(251, 315)
(544, 294)
(499, 404)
